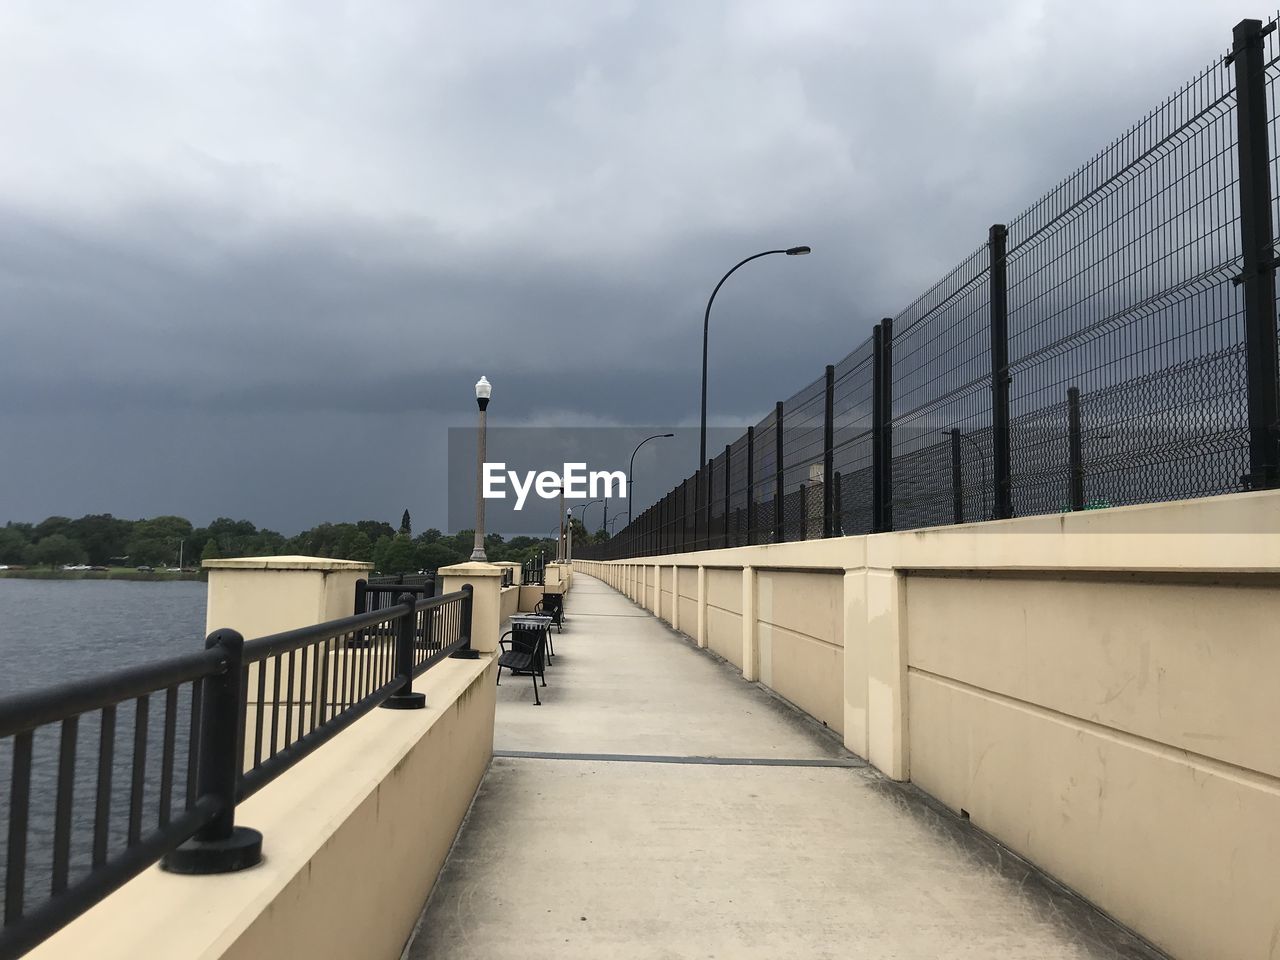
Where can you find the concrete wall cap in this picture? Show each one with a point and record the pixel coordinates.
(472, 568)
(285, 563)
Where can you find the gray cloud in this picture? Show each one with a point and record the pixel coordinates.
(249, 255)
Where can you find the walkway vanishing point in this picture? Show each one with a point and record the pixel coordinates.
(659, 806)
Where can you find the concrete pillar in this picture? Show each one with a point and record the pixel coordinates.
(887, 736)
(675, 597)
(702, 606)
(264, 595)
(486, 599)
(750, 660)
(657, 591)
(855, 661)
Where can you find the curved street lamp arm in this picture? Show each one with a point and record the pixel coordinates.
(657, 436)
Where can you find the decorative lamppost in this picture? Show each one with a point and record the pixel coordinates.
(484, 390)
(706, 323)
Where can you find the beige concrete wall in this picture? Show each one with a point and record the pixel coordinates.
(354, 837)
(1097, 690)
(687, 591)
(800, 640)
(509, 603)
(260, 596)
(665, 579)
(724, 613)
(530, 594)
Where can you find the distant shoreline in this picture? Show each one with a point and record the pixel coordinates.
(98, 575)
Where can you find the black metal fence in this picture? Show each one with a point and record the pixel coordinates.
(1114, 344)
(534, 569)
(107, 776)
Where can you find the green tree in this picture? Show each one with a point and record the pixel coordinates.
(210, 551)
(433, 556)
(374, 529)
(394, 555)
(355, 545)
(102, 536)
(406, 525)
(13, 546)
(56, 550)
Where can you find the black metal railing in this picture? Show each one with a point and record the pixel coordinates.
(508, 577)
(533, 570)
(106, 776)
(379, 592)
(1116, 343)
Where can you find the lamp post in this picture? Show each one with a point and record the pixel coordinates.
(706, 324)
(658, 436)
(484, 390)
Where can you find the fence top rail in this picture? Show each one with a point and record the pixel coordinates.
(260, 649)
(26, 711)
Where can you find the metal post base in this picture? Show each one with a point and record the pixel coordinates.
(405, 701)
(467, 654)
(241, 850)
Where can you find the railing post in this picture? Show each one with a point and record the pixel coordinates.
(1076, 448)
(957, 478)
(828, 452)
(779, 492)
(219, 846)
(1258, 254)
(1002, 477)
(362, 588)
(751, 485)
(804, 512)
(404, 698)
(464, 627)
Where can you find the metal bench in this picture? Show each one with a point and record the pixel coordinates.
(552, 605)
(525, 653)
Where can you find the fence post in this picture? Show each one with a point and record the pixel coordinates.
(957, 478)
(828, 451)
(779, 493)
(464, 627)
(362, 587)
(837, 515)
(804, 512)
(751, 485)
(404, 698)
(728, 473)
(1075, 447)
(220, 846)
(1000, 379)
(882, 427)
(1257, 253)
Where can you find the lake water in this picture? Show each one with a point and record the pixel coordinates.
(54, 630)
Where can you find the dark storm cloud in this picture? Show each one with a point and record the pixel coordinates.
(252, 262)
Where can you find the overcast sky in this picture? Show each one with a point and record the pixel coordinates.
(253, 256)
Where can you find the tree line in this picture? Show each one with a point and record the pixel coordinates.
(105, 540)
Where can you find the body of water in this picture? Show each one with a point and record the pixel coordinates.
(53, 631)
(58, 630)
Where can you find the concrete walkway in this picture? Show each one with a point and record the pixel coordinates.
(605, 832)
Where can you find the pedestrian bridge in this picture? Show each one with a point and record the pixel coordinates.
(1042, 737)
(657, 805)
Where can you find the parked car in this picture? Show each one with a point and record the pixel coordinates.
(143, 568)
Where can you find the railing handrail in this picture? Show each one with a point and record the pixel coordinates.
(21, 712)
(387, 649)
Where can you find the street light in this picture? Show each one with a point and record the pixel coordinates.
(484, 390)
(706, 324)
(658, 436)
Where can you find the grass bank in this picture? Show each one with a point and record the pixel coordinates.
(115, 573)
